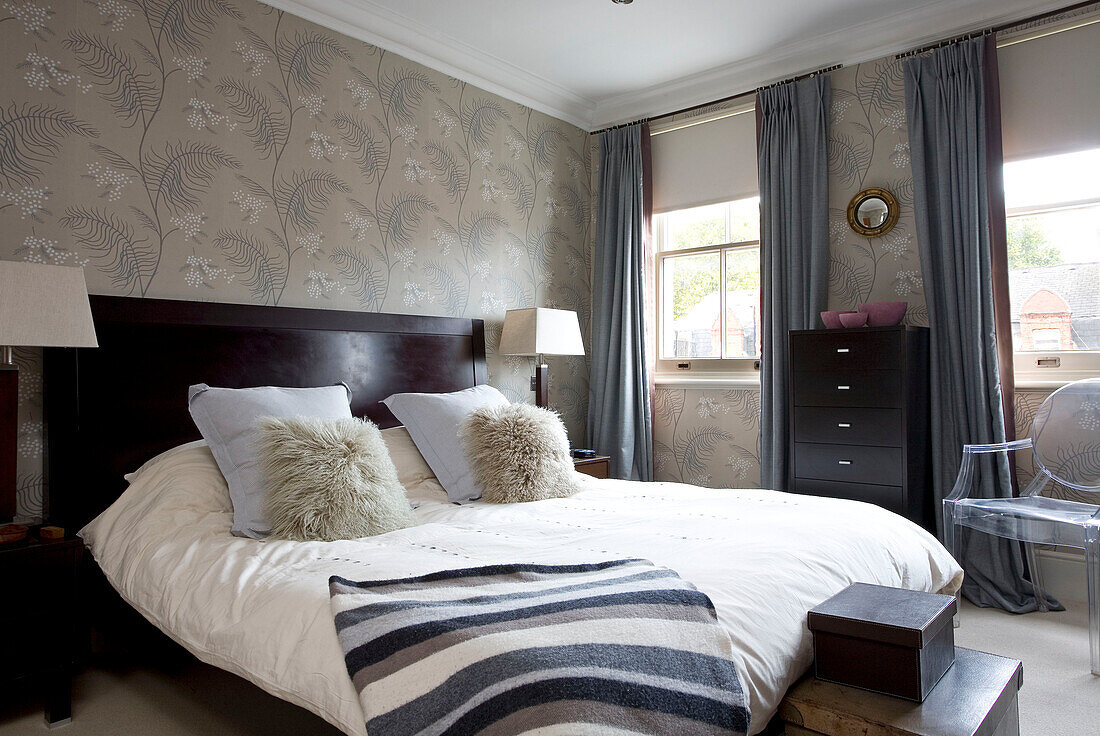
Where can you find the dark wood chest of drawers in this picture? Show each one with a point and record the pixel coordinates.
(859, 416)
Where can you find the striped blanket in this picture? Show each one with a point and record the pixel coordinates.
(616, 648)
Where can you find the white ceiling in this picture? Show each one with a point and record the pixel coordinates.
(594, 63)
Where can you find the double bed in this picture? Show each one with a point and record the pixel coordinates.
(260, 609)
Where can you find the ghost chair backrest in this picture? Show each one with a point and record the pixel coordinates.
(1065, 435)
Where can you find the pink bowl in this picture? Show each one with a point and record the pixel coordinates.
(884, 314)
(853, 319)
(831, 319)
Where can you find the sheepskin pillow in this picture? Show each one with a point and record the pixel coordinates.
(329, 479)
(226, 417)
(519, 453)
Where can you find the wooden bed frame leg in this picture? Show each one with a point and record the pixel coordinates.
(59, 698)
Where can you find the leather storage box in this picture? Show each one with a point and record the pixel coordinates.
(889, 640)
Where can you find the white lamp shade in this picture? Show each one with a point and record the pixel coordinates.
(541, 331)
(44, 306)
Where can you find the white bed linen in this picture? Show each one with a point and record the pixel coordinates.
(260, 609)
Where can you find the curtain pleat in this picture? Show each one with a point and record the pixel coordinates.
(950, 120)
(998, 242)
(792, 149)
(620, 419)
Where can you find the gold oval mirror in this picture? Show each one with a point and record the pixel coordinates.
(873, 212)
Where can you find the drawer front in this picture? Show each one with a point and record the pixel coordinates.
(848, 388)
(42, 582)
(851, 350)
(20, 619)
(848, 426)
(891, 498)
(848, 463)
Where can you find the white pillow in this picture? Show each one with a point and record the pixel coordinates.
(412, 469)
(184, 480)
(153, 462)
(433, 421)
(227, 417)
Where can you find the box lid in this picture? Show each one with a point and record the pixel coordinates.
(890, 615)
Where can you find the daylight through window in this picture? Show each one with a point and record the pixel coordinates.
(1053, 208)
(708, 281)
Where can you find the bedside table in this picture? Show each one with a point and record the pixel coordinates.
(41, 618)
(597, 467)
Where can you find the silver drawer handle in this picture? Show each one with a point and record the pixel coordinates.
(843, 462)
(844, 425)
(843, 350)
(842, 388)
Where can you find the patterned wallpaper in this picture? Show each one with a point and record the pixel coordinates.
(707, 437)
(229, 152)
(223, 150)
(1026, 405)
(712, 437)
(869, 147)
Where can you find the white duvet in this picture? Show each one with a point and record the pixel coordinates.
(261, 609)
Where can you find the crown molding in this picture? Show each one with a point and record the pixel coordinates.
(378, 25)
(896, 33)
(926, 23)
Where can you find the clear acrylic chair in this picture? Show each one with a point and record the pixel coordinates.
(1065, 441)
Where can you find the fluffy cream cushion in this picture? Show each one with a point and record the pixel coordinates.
(329, 479)
(519, 453)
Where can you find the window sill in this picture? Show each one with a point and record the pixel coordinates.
(1030, 375)
(1049, 384)
(666, 380)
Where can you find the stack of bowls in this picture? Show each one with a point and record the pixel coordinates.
(884, 314)
(868, 314)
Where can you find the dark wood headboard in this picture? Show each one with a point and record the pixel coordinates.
(111, 408)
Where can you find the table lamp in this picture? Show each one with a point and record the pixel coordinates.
(40, 306)
(540, 331)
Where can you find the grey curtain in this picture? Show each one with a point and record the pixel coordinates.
(794, 245)
(949, 127)
(620, 419)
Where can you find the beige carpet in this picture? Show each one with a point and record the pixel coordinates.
(190, 699)
(1059, 695)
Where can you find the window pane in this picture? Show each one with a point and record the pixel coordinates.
(692, 325)
(1054, 279)
(743, 303)
(695, 227)
(745, 220)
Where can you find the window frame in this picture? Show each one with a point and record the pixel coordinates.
(702, 369)
(1032, 369)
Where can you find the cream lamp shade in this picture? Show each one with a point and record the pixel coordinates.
(40, 306)
(541, 331)
(44, 306)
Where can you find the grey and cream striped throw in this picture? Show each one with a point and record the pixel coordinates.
(619, 647)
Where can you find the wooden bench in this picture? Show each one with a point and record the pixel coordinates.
(977, 697)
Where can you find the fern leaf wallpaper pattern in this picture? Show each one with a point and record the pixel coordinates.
(869, 147)
(223, 150)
